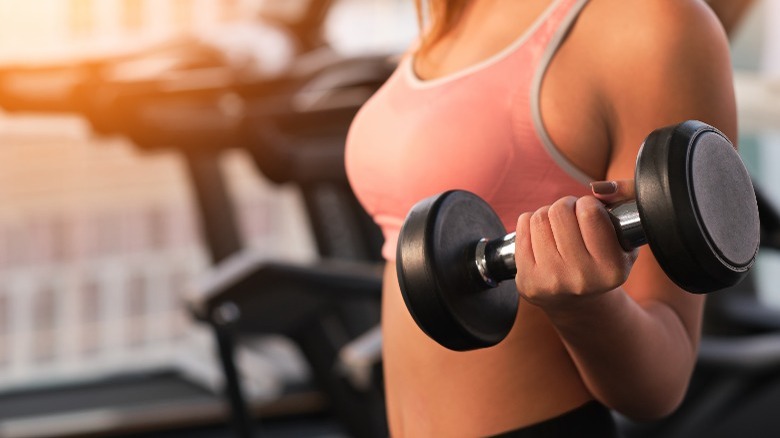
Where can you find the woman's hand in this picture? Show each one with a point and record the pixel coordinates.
(569, 251)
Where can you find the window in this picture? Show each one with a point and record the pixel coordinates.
(91, 316)
(133, 14)
(136, 310)
(4, 327)
(182, 13)
(44, 317)
(81, 17)
(228, 10)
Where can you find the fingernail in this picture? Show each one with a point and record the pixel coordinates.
(604, 187)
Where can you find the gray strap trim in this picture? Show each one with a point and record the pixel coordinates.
(416, 82)
(536, 87)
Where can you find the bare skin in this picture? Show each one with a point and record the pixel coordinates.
(730, 12)
(594, 322)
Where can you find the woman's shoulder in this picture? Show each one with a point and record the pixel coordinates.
(655, 28)
(651, 63)
(648, 53)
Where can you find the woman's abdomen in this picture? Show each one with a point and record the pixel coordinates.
(432, 391)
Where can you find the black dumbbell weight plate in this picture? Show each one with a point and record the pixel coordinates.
(434, 261)
(697, 206)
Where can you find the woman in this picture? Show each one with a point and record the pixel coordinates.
(731, 13)
(526, 103)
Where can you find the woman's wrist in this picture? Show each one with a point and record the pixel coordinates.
(582, 311)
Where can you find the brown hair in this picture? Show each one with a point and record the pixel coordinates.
(441, 16)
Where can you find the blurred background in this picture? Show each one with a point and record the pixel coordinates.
(100, 230)
(98, 239)
(173, 203)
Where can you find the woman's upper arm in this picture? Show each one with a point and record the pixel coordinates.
(673, 66)
(730, 12)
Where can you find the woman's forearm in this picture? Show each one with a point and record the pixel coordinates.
(634, 358)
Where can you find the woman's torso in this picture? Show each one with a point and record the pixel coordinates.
(479, 122)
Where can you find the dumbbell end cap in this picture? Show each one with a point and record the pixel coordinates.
(438, 276)
(697, 206)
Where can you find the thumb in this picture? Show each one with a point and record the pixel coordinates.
(613, 192)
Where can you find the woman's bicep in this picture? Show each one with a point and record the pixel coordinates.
(678, 69)
(671, 68)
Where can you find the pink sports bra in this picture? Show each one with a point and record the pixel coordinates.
(479, 130)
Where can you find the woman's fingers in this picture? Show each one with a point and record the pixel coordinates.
(566, 230)
(568, 248)
(600, 239)
(597, 230)
(542, 238)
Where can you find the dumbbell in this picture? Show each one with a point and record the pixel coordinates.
(695, 207)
